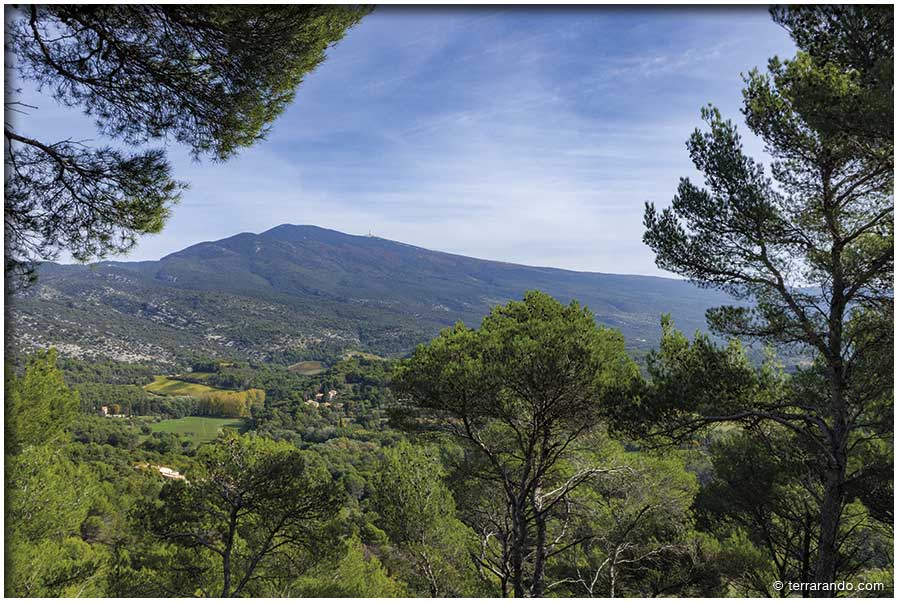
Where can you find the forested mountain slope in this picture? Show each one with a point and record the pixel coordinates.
(272, 295)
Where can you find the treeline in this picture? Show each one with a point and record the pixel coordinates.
(132, 400)
(105, 371)
(279, 382)
(276, 379)
(326, 353)
(230, 404)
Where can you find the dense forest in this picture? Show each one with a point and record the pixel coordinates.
(494, 461)
(529, 455)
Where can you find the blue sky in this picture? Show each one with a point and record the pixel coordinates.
(518, 134)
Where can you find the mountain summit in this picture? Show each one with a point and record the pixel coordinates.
(268, 295)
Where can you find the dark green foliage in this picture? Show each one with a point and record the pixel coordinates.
(859, 41)
(521, 392)
(78, 371)
(170, 406)
(812, 247)
(39, 405)
(693, 384)
(758, 492)
(163, 443)
(249, 503)
(417, 512)
(131, 398)
(104, 431)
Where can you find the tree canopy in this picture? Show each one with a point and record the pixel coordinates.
(417, 512)
(811, 247)
(253, 502)
(520, 392)
(39, 405)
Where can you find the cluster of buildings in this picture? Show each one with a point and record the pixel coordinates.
(108, 412)
(319, 400)
(165, 471)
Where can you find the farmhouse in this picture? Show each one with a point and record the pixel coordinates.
(165, 471)
(170, 473)
(109, 412)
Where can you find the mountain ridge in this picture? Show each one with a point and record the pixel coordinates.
(311, 227)
(275, 295)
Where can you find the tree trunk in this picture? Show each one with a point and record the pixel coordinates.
(834, 488)
(612, 574)
(806, 551)
(427, 569)
(834, 478)
(517, 550)
(539, 563)
(226, 556)
(830, 518)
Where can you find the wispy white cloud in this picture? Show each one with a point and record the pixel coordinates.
(532, 136)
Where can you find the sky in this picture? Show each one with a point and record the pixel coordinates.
(526, 135)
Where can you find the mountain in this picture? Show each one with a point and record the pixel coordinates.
(270, 296)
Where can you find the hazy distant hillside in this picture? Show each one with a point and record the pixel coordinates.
(268, 295)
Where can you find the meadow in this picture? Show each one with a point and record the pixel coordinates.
(163, 385)
(308, 368)
(199, 428)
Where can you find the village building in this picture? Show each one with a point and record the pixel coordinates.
(170, 473)
(165, 471)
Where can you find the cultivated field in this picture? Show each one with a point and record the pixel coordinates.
(309, 368)
(163, 385)
(198, 428)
